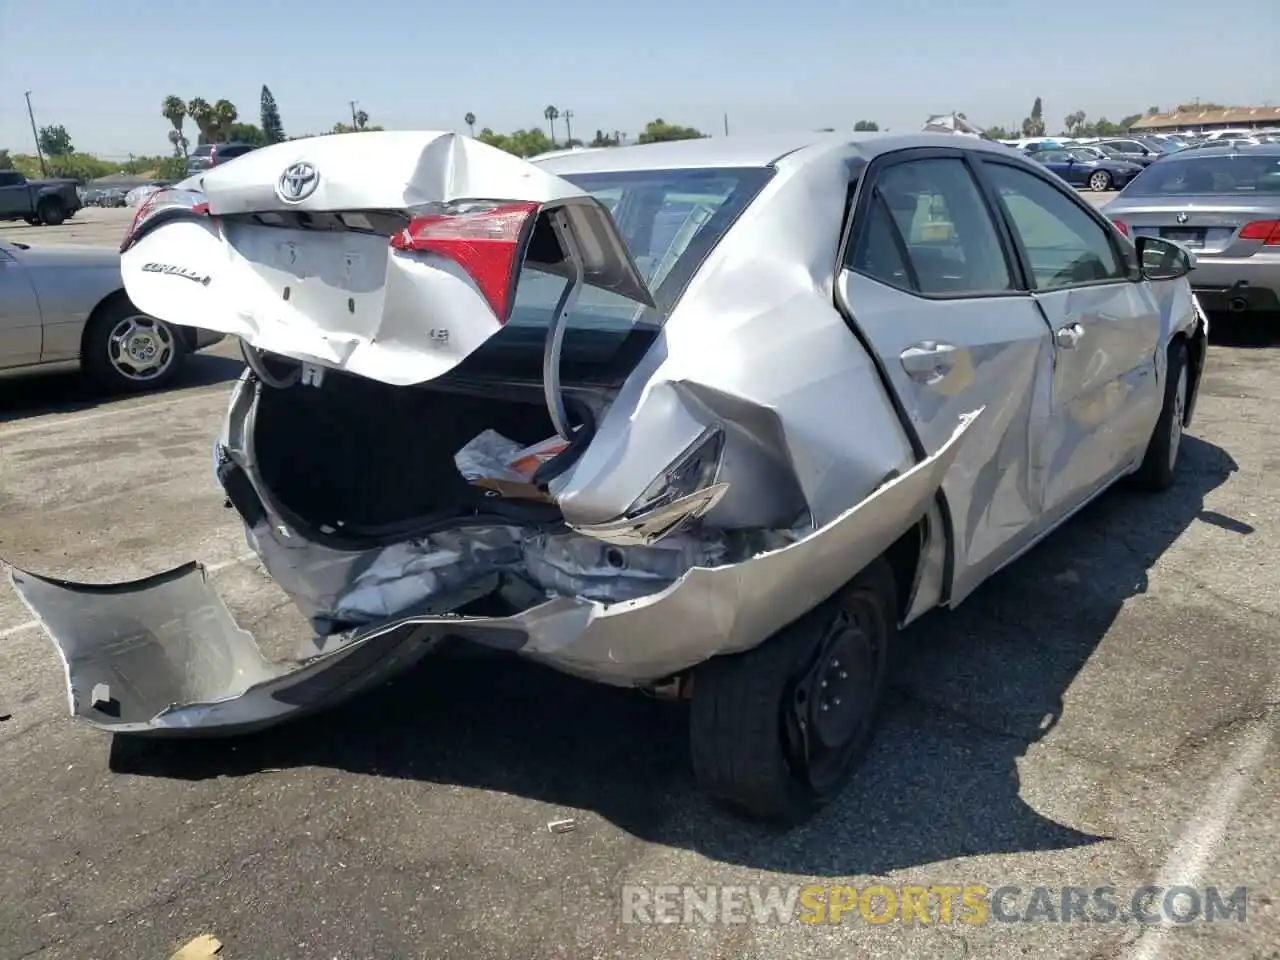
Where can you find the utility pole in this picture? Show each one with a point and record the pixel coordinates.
(568, 127)
(353, 103)
(36, 136)
(726, 124)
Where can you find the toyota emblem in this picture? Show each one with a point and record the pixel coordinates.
(298, 182)
(1183, 218)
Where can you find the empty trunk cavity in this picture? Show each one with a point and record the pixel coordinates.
(365, 474)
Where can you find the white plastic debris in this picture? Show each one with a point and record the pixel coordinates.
(562, 826)
(491, 456)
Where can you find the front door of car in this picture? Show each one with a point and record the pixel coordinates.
(1107, 334)
(20, 331)
(1063, 164)
(930, 282)
(14, 197)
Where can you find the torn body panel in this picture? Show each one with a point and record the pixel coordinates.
(174, 662)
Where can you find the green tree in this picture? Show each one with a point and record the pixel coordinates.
(224, 115)
(657, 131)
(1075, 124)
(55, 141)
(175, 111)
(866, 126)
(1033, 126)
(269, 117)
(551, 114)
(1126, 123)
(997, 133)
(172, 169)
(1152, 111)
(201, 115)
(1198, 106)
(470, 121)
(6, 163)
(602, 139)
(246, 133)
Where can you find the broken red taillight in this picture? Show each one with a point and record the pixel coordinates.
(1121, 226)
(486, 239)
(1268, 231)
(163, 204)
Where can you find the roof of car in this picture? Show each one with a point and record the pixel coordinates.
(747, 151)
(1229, 150)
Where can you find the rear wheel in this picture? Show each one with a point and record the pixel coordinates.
(1100, 181)
(1159, 466)
(127, 351)
(50, 211)
(777, 731)
(34, 221)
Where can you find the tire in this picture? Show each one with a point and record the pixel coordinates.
(126, 351)
(1160, 463)
(1100, 181)
(757, 742)
(50, 211)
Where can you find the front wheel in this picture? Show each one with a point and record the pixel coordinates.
(777, 731)
(127, 351)
(1100, 181)
(1160, 464)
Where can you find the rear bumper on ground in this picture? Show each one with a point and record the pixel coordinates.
(164, 656)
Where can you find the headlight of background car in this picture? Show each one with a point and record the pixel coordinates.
(683, 492)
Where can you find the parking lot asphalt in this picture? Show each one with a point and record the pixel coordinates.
(1101, 713)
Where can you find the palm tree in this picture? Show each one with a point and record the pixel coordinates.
(470, 121)
(175, 111)
(224, 115)
(551, 113)
(201, 115)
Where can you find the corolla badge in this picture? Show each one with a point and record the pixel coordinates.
(298, 182)
(171, 270)
(1183, 218)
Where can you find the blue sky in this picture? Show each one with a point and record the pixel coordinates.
(102, 67)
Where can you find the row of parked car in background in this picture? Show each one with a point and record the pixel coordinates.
(1111, 163)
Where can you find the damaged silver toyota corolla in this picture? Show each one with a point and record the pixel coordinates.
(714, 417)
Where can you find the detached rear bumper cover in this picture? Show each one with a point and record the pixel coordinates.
(164, 656)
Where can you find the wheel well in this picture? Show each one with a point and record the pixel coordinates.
(903, 557)
(1195, 357)
(103, 305)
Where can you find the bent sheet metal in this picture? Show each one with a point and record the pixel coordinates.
(163, 655)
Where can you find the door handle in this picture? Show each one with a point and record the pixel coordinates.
(1068, 337)
(928, 361)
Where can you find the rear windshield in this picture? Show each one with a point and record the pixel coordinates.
(203, 150)
(671, 220)
(1239, 174)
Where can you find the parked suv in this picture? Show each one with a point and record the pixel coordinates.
(211, 154)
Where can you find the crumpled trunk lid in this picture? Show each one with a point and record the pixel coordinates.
(393, 255)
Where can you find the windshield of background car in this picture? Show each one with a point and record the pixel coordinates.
(1080, 153)
(671, 220)
(1232, 174)
(203, 150)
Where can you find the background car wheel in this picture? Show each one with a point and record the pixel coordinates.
(777, 731)
(1100, 181)
(50, 212)
(34, 221)
(125, 350)
(1159, 466)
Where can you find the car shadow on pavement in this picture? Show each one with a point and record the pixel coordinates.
(40, 394)
(975, 689)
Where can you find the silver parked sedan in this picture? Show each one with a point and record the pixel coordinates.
(713, 418)
(1223, 203)
(65, 306)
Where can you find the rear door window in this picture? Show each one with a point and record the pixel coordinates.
(929, 230)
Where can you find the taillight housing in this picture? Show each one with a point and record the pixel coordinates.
(487, 238)
(1121, 226)
(160, 207)
(1268, 231)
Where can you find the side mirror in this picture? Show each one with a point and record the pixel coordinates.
(1163, 259)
